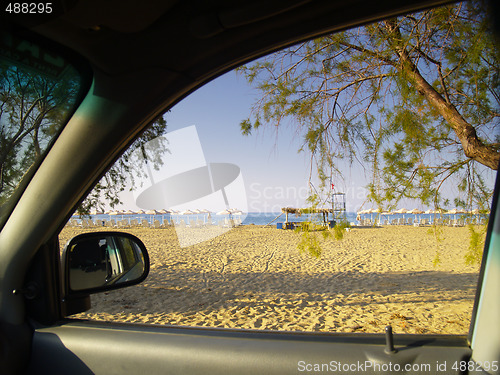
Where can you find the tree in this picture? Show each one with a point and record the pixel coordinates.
(127, 168)
(441, 120)
(33, 109)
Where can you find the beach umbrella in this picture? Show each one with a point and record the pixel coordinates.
(477, 213)
(206, 214)
(415, 212)
(381, 213)
(454, 212)
(127, 212)
(152, 212)
(402, 211)
(430, 212)
(208, 217)
(163, 212)
(186, 212)
(174, 214)
(359, 213)
(370, 212)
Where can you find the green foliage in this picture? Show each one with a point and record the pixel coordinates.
(476, 245)
(107, 190)
(339, 229)
(401, 97)
(315, 231)
(438, 232)
(33, 109)
(437, 259)
(335, 89)
(309, 243)
(311, 233)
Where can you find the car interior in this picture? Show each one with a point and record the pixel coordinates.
(127, 62)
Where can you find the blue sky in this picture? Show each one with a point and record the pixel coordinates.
(274, 172)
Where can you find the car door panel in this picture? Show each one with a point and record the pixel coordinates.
(104, 348)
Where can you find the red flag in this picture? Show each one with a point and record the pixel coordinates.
(332, 186)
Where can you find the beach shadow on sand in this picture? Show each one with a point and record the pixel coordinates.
(189, 292)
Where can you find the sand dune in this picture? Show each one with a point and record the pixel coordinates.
(254, 277)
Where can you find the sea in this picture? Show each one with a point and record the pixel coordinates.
(251, 218)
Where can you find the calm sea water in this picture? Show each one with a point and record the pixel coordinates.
(255, 218)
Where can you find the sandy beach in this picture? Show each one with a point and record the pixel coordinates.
(254, 277)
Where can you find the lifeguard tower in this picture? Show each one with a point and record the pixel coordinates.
(339, 207)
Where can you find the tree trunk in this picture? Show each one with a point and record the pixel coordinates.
(473, 147)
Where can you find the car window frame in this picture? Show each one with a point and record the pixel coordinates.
(85, 72)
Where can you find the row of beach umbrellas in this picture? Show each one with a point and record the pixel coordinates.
(232, 211)
(416, 211)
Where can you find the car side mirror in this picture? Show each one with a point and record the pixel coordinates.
(102, 261)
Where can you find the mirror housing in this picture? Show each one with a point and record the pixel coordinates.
(101, 261)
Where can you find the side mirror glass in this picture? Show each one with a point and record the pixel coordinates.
(99, 261)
